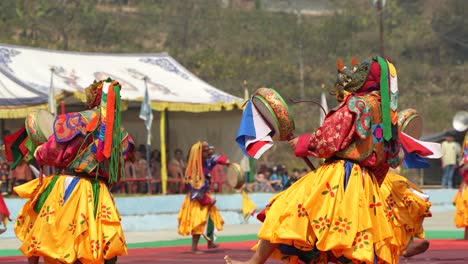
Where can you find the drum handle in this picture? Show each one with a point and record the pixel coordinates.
(309, 163)
(306, 160)
(308, 101)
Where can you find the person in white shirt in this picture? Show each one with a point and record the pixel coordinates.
(450, 149)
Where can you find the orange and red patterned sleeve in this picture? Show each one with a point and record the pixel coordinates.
(335, 134)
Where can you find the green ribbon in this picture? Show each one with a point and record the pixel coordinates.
(96, 193)
(385, 99)
(43, 196)
(116, 163)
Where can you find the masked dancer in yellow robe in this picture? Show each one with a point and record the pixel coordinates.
(70, 216)
(336, 212)
(198, 215)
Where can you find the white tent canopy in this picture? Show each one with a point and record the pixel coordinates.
(16, 97)
(170, 85)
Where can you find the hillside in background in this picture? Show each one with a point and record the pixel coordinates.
(227, 41)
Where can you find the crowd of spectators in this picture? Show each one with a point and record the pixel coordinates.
(274, 179)
(143, 179)
(10, 178)
(139, 179)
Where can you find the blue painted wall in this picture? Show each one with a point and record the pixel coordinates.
(160, 212)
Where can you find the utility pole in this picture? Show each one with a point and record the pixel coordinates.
(379, 5)
(301, 55)
(380, 10)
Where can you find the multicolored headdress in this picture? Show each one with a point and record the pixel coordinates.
(93, 94)
(109, 134)
(377, 74)
(194, 172)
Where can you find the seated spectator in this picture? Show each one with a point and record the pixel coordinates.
(21, 174)
(141, 172)
(4, 171)
(131, 173)
(274, 179)
(155, 168)
(295, 176)
(283, 174)
(247, 165)
(176, 170)
(262, 183)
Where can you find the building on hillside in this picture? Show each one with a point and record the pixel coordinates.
(305, 7)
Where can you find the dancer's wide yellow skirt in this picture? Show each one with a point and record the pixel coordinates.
(193, 217)
(461, 203)
(68, 219)
(408, 205)
(317, 216)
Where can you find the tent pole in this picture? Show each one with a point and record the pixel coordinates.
(162, 131)
(148, 164)
(52, 106)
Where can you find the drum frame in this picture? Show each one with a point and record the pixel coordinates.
(275, 104)
(237, 168)
(407, 115)
(33, 127)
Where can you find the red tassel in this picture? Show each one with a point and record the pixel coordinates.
(354, 61)
(109, 121)
(92, 124)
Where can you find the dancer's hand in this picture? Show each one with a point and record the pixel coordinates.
(293, 142)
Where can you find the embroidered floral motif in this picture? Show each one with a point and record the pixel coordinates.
(390, 216)
(19, 220)
(30, 227)
(95, 245)
(90, 196)
(407, 200)
(330, 190)
(60, 201)
(361, 240)
(322, 223)
(301, 211)
(374, 205)
(105, 212)
(342, 225)
(390, 201)
(46, 212)
(84, 219)
(35, 244)
(408, 228)
(355, 171)
(72, 227)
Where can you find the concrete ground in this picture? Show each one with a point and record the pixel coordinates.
(440, 221)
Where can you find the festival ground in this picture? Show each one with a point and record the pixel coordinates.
(165, 246)
(440, 251)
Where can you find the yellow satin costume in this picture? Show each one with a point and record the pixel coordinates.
(71, 216)
(337, 213)
(461, 198)
(197, 211)
(318, 211)
(407, 205)
(85, 226)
